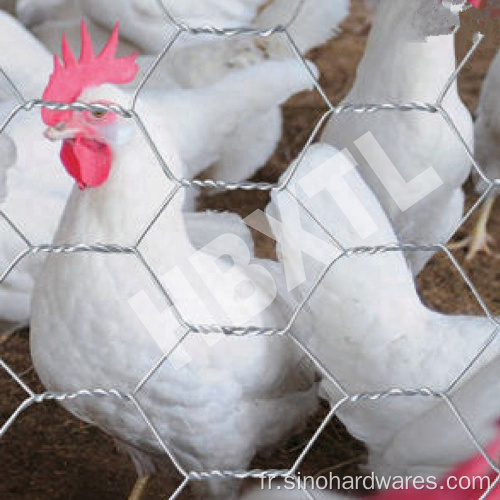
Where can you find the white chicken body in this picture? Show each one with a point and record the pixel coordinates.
(400, 67)
(249, 98)
(376, 335)
(38, 225)
(24, 62)
(215, 411)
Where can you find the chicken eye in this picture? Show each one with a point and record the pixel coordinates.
(99, 114)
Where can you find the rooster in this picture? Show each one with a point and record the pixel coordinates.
(203, 123)
(236, 395)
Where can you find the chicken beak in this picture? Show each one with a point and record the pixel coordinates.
(60, 132)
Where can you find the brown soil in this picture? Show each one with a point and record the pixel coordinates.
(47, 454)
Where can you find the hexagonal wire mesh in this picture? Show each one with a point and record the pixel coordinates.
(31, 249)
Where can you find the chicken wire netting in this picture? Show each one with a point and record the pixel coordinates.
(33, 398)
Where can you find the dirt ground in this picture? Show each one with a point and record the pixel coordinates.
(48, 454)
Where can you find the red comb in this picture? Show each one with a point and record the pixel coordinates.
(73, 76)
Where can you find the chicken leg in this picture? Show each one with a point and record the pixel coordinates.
(139, 489)
(479, 240)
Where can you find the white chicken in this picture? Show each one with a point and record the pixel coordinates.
(401, 66)
(203, 122)
(235, 395)
(372, 332)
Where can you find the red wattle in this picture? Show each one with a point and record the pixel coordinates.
(88, 161)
